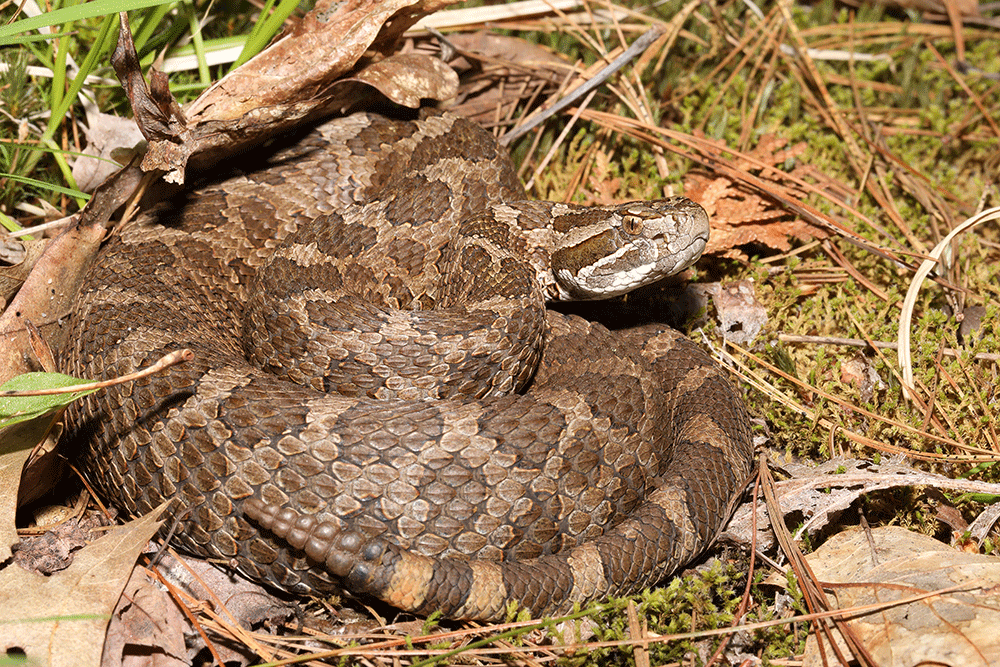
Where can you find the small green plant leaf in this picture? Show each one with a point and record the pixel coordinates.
(14, 409)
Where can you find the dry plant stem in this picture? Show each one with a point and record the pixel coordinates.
(951, 421)
(166, 361)
(839, 258)
(93, 494)
(638, 104)
(558, 142)
(761, 91)
(839, 124)
(639, 652)
(929, 406)
(835, 119)
(585, 166)
(975, 388)
(882, 345)
(900, 165)
(905, 360)
(812, 591)
(538, 135)
(738, 48)
(192, 619)
(979, 455)
(745, 600)
(636, 100)
(883, 196)
(929, 413)
(928, 198)
(44, 227)
(214, 609)
(968, 91)
(389, 648)
(638, 46)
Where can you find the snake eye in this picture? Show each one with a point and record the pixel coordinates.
(632, 224)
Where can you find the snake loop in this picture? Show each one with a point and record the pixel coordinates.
(380, 399)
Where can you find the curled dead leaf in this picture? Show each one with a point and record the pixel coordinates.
(407, 78)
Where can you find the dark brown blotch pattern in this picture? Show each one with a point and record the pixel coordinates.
(615, 467)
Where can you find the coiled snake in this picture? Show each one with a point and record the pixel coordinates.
(400, 406)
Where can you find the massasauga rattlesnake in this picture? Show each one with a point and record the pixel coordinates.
(443, 441)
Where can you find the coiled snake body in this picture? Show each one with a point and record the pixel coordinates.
(401, 408)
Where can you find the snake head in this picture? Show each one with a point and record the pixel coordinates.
(613, 250)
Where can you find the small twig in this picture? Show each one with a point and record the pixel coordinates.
(171, 359)
(638, 46)
(812, 591)
(559, 140)
(52, 224)
(882, 345)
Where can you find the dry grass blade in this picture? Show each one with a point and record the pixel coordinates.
(905, 361)
(975, 454)
(876, 344)
(811, 588)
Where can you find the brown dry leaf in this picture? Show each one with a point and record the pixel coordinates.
(53, 550)
(147, 628)
(956, 628)
(407, 78)
(105, 133)
(23, 254)
(741, 315)
(739, 214)
(324, 63)
(149, 622)
(44, 299)
(485, 60)
(61, 619)
(302, 62)
(150, 627)
(49, 291)
(16, 443)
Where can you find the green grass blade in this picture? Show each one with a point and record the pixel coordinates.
(268, 28)
(10, 224)
(42, 185)
(8, 33)
(199, 47)
(59, 74)
(148, 23)
(23, 40)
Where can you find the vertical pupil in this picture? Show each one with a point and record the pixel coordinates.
(632, 225)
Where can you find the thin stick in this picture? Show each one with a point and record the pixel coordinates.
(882, 345)
(638, 46)
(171, 359)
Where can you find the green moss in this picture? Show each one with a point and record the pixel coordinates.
(705, 600)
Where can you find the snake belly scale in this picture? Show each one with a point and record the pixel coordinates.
(379, 398)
